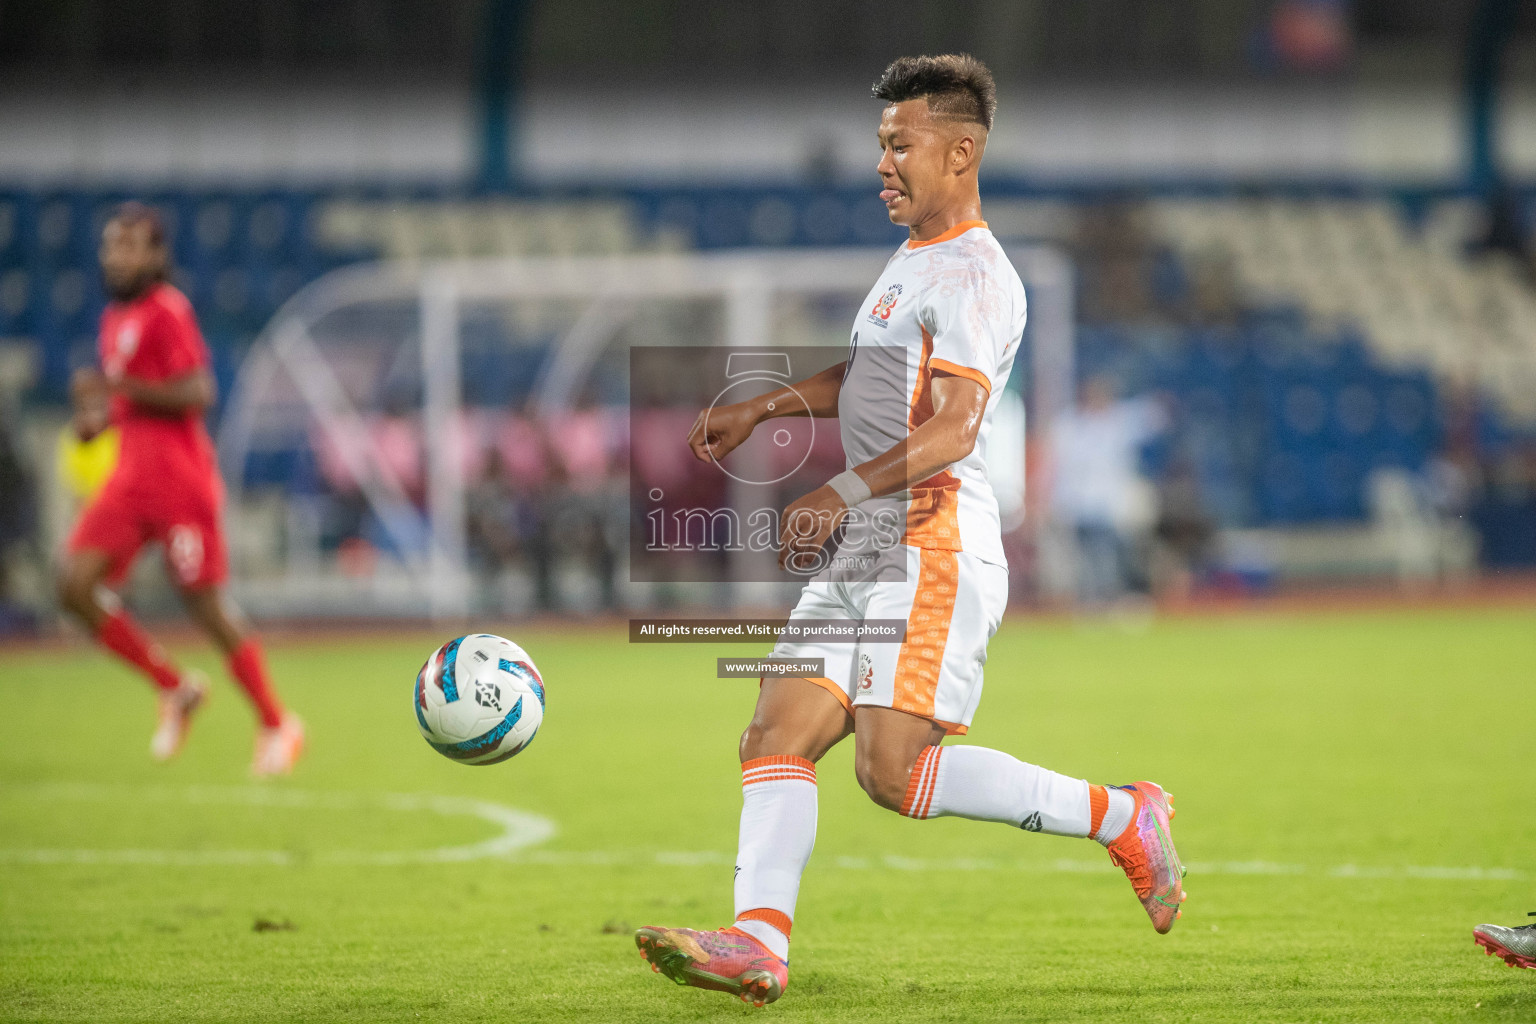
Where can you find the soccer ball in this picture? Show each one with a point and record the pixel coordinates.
(479, 699)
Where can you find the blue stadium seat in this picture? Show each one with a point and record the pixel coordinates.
(13, 224)
(1280, 425)
(18, 302)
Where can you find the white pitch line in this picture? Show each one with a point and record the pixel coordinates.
(893, 862)
(521, 831)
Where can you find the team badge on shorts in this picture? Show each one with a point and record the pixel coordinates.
(185, 547)
(866, 672)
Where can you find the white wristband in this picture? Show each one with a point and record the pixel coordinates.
(850, 487)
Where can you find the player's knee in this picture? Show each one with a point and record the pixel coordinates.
(883, 777)
(769, 739)
(64, 589)
(219, 619)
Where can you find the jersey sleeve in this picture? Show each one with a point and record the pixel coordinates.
(966, 313)
(172, 345)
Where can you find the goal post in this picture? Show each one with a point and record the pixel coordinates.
(396, 336)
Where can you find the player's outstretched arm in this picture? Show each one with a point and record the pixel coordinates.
(193, 391)
(948, 436)
(720, 429)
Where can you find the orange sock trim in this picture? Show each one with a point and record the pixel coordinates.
(779, 768)
(920, 784)
(933, 780)
(776, 919)
(1098, 806)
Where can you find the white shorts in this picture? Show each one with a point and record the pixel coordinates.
(952, 603)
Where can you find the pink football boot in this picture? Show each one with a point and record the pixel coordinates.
(728, 960)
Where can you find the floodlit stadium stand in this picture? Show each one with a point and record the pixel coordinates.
(1350, 310)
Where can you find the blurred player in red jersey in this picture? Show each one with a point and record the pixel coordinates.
(166, 488)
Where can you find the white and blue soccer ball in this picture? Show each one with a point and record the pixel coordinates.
(479, 699)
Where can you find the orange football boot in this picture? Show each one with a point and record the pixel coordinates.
(1145, 851)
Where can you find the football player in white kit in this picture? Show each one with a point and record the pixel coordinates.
(949, 310)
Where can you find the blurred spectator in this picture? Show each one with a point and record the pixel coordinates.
(581, 507)
(1306, 36)
(544, 498)
(520, 451)
(548, 500)
(494, 530)
(1507, 230)
(88, 444)
(1214, 296)
(505, 529)
(18, 515)
(388, 445)
(397, 445)
(1115, 257)
(578, 442)
(1486, 480)
(1184, 532)
(1505, 511)
(1097, 489)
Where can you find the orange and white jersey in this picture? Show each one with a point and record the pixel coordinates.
(950, 305)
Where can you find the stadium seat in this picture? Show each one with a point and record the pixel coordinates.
(1350, 304)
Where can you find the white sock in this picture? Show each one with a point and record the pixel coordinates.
(1119, 807)
(988, 785)
(778, 831)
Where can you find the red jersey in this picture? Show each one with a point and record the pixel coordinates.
(155, 338)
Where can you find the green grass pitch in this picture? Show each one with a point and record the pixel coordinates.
(1354, 793)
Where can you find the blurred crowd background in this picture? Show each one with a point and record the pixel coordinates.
(1302, 236)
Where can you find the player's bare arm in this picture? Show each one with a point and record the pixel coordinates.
(191, 392)
(959, 404)
(720, 429)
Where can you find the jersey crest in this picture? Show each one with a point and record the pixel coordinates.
(881, 314)
(124, 345)
(128, 337)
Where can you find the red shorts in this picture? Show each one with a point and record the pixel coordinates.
(182, 513)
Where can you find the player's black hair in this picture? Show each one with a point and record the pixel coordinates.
(134, 212)
(957, 86)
